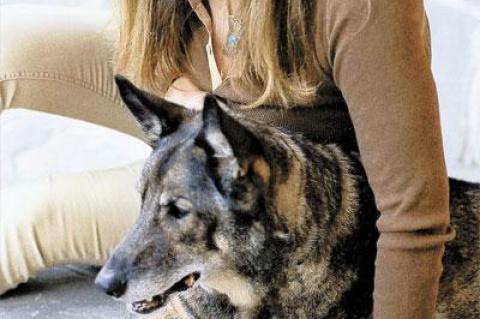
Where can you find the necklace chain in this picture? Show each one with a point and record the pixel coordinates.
(235, 30)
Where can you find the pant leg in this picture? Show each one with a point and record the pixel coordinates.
(75, 218)
(59, 60)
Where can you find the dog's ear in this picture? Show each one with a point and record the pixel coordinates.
(234, 150)
(156, 116)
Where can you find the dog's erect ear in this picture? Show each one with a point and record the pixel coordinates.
(157, 117)
(226, 165)
(234, 150)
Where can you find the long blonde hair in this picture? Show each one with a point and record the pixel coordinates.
(282, 68)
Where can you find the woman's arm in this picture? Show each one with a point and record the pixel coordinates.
(380, 59)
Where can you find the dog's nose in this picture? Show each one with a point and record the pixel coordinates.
(113, 283)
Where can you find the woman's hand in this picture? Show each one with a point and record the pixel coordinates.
(182, 91)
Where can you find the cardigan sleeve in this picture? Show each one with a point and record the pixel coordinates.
(379, 55)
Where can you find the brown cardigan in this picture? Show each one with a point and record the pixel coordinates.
(376, 55)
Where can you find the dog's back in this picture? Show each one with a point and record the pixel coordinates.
(459, 295)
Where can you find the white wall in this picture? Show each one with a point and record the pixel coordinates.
(455, 28)
(101, 4)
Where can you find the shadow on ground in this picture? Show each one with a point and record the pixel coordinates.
(61, 293)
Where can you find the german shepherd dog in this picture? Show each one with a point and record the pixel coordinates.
(243, 220)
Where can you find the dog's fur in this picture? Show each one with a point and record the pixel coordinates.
(275, 226)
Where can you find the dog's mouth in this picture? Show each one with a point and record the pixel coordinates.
(147, 306)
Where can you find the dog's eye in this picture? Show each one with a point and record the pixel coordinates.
(177, 212)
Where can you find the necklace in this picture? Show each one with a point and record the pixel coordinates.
(235, 30)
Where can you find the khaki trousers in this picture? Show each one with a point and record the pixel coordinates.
(58, 60)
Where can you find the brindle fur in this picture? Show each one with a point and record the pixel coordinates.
(277, 226)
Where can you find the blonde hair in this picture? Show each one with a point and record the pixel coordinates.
(280, 69)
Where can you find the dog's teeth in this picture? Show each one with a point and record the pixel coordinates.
(189, 281)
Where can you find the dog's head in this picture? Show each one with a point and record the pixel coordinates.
(205, 219)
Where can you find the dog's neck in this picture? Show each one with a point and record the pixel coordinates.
(325, 259)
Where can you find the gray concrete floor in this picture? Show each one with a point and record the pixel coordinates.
(61, 293)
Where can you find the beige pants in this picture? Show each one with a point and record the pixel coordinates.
(57, 60)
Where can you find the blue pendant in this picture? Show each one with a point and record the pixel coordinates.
(235, 30)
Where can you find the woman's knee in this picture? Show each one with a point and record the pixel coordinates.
(39, 44)
(59, 60)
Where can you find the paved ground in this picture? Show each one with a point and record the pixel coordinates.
(62, 293)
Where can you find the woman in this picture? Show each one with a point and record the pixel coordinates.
(368, 61)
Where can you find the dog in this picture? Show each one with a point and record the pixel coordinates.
(243, 220)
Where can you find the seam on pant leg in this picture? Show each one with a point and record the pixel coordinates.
(58, 77)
